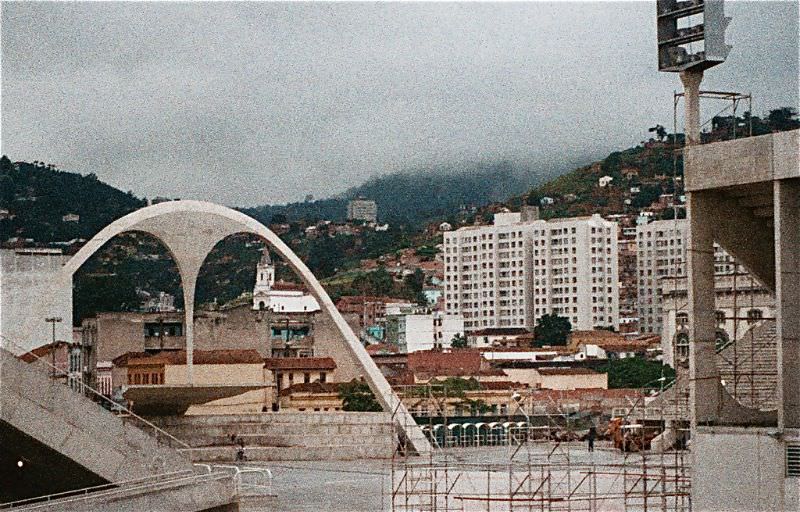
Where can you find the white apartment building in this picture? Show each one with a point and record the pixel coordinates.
(661, 254)
(420, 331)
(514, 271)
(362, 209)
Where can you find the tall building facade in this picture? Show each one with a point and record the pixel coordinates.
(661, 247)
(514, 271)
(362, 209)
(661, 265)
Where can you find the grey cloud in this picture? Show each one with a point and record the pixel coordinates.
(252, 103)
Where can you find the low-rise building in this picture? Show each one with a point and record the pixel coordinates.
(555, 377)
(211, 368)
(499, 337)
(425, 331)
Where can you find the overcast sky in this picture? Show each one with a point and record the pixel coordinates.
(255, 103)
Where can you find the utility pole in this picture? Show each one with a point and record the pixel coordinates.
(53, 320)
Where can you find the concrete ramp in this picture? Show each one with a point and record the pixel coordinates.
(46, 412)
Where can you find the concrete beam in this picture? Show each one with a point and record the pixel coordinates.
(744, 161)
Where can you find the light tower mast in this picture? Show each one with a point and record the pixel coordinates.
(691, 39)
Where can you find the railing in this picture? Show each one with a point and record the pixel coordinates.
(249, 480)
(86, 491)
(160, 435)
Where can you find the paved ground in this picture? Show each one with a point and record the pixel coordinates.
(366, 485)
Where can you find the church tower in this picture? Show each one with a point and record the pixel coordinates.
(265, 278)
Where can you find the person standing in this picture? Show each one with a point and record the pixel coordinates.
(590, 437)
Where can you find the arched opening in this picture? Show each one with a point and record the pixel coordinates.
(682, 346)
(127, 299)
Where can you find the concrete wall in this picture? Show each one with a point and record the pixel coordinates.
(534, 379)
(329, 342)
(287, 435)
(25, 279)
(233, 328)
(738, 469)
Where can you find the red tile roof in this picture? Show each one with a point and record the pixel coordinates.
(463, 361)
(381, 348)
(311, 387)
(300, 363)
(178, 357)
(42, 351)
(500, 331)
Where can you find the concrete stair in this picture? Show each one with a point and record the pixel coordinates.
(750, 374)
(750, 367)
(66, 421)
(286, 436)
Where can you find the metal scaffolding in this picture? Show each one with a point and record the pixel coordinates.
(539, 464)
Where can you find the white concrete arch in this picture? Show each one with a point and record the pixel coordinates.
(190, 230)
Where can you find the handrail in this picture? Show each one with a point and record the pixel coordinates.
(132, 488)
(114, 405)
(241, 486)
(94, 488)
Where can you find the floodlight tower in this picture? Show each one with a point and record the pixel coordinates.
(691, 39)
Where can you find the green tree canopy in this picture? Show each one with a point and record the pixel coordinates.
(551, 329)
(357, 396)
(634, 372)
(458, 341)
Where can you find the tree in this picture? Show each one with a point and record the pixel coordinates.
(357, 396)
(659, 130)
(415, 282)
(634, 372)
(783, 119)
(278, 218)
(458, 341)
(551, 329)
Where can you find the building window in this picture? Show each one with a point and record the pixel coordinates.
(306, 378)
(754, 315)
(323, 377)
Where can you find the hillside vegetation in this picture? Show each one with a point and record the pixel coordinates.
(38, 197)
(412, 198)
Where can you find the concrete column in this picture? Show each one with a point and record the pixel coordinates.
(691, 90)
(787, 299)
(705, 388)
(189, 280)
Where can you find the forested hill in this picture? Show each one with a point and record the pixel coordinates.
(37, 197)
(418, 196)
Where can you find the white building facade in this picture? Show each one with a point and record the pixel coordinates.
(661, 263)
(514, 271)
(362, 209)
(661, 252)
(266, 296)
(26, 278)
(416, 332)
